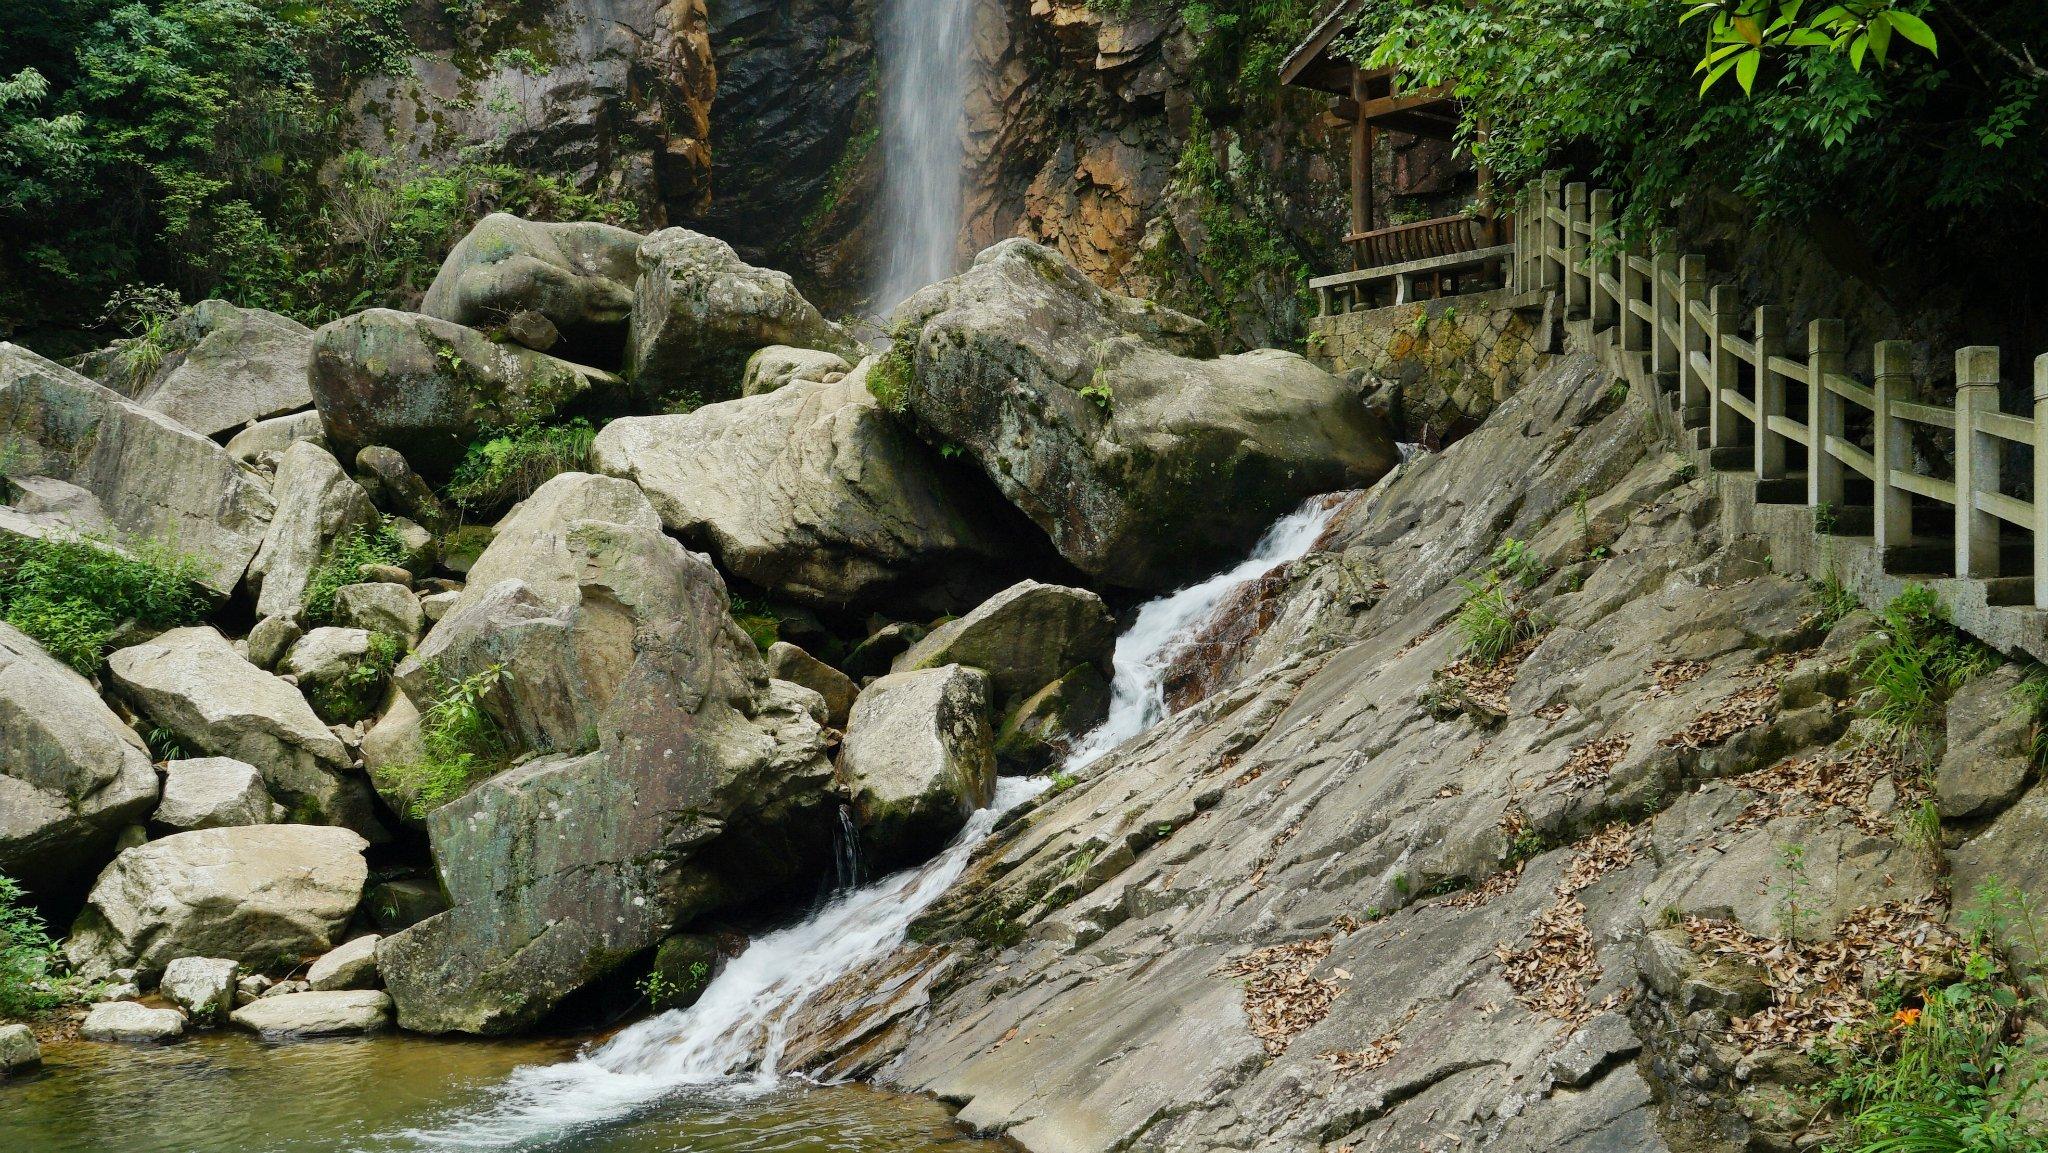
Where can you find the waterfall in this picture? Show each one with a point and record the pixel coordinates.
(924, 46)
(732, 1040)
(1165, 626)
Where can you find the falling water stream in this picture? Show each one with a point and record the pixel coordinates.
(925, 49)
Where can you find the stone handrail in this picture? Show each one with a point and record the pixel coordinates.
(1758, 396)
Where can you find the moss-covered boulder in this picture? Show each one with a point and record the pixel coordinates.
(578, 275)
(699, 312)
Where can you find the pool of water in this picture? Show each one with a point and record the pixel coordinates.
(230, 1093)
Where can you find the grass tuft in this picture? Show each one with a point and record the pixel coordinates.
(73, 596)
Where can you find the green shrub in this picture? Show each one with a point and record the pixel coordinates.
(343, 565)
(72, 596)
(460, 744)
(30, 970)
(1922, 660)
(890, 377)
(1514, 560)
(357, 694)
(507, 468)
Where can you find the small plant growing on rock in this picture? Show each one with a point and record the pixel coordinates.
(1794, 912)
(506, 468)
(73, 596)
(1491, 622)
(1921, 661)
(1514, 560)
(460, 743)
(344, 564)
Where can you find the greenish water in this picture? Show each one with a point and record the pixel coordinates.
(229, 1093)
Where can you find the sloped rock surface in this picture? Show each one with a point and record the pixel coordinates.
(71, 774)
(156, 480)
(1111, 423)
(239, 365)
(814, 492)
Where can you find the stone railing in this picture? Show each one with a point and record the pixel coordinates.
(1789, 411)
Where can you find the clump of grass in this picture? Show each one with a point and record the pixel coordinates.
(32, 981)
(506, 468)
(1491, 623)
(1836, 599)
(460, 744)
(357, 693)
(1922, 660)
(343, 565)
(73, 596)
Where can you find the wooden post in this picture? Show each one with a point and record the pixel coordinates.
(1891, 382)
(1361, 159)
(2041, 481)
(1664, 305)
(1694, 390)
(1978, 455)
(1723, 432)
(1827, 354)
(1598, 260)
(1770, 394)
(1577, 299)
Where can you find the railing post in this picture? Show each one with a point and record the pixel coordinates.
(1577, 295)
(2041, 481)
(1552, 249)
(1892, 446)
(1770, 394)
(1827, 354)
(1727, 375)
(1977, 459)
(1633, 290)
(1663, 301)
(1599, 250)
(1694, 390)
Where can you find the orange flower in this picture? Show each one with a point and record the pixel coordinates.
(1905, 1018)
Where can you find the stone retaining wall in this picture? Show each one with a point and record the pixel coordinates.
(1442, 362)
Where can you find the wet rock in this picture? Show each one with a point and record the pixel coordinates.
(214, 793)
(193, 683)
(263, 895)
(1025, 637)
(72, 775)
(128, 1022)
(699, 312)
(156, 479)
(426, 388)
(778, 364)
(316, 1014)
(349, 966)
(816, 493)
(1990, 748)
(234, 366)
(787, 662)
(1111, 423)
(204, 987)
(18, 1049)
(317, 505)
(576, 279)
(684, 966)
(1041, 729)
(918, 760)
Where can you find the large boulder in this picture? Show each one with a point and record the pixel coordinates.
(236, 365)
(265, 896)
(579, 276)
(316, 1014)
(214, 793)
(1112, 423)
(155, 479)
(1025, 637)
(778, 364)
(787, 662)
(673, 777)
(261, 444)
(192, 682)
(699, 312)
(427, 387)
(72, 775)
(317, 505)
(919, 758)
(816, 493)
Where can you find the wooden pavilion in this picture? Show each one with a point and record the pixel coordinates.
(1438, 256)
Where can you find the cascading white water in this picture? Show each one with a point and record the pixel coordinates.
(731, 1041)
(1165, 626)
(924, 46)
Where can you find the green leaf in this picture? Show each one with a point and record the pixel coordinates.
(1745, 70)
(1915, 30)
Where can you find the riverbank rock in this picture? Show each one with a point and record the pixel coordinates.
(193, 683)
(579, 276)
(130, 1023)
(699, 312)
(1025, 637)
(204, 987)
(263, 895)
(787, 662)
(317, 505)
(814, 492)
(662, 741)
(157, 480)
(427, 387)
(1111, 422)
(18, 1050)
(1038, 731)
(918, 760)
(233, 366)
(778, 364)
(72, 775)
(214, 793)
(316, 1014)
(349, 966)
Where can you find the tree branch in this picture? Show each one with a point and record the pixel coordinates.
(2024, 63)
